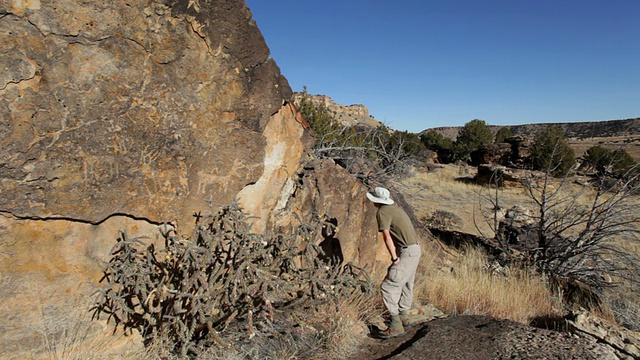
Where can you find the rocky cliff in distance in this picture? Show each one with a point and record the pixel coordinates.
(123, 115)
(591, 129)
(355, 114)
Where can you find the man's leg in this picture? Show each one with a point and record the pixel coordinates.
(412, 257)
(391, 289)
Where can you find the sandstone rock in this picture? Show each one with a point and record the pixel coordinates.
(492, 154)
(126, 115)
(514, 152)
(48, 272)
(323, 188)
(355, 114)
(520, 149)
(133, 109)
(517, 227)
(621, 340)
(491, 174)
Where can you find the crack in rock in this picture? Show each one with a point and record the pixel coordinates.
(18, 69)
(84, 221)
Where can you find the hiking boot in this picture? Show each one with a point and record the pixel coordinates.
(406, 319)
(395, 328)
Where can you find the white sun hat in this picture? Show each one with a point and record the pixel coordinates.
(380, 195)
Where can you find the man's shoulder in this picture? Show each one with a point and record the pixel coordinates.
(390, 210)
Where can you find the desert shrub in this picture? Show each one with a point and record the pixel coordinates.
(442, 219)
(622, 162)
(623, 165)
(626, 310)
(473, 135)
(503, 134)
(371, 154)
(409, 143)
(192, 289)
(577, 236)
(327, 130)
(439, 143)
(404, 148)
(551, 150)
(598, 157)
(614, 162)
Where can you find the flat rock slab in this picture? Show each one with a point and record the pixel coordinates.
(482, 337)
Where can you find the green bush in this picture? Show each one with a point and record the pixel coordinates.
(598, 157)
(474, 135)
(327, 130)
(551, 152)
(442, 145)
(409, 144)
(503, 134)
(435, 141)
(610, 162)
(623, 163)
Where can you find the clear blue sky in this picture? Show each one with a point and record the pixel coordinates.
(418, 64)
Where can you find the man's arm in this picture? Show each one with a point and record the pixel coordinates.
(388, 241)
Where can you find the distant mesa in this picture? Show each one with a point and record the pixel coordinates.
(355, 114)
(612, 134)
(578, 130)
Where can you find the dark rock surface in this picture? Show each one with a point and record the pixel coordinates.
(483, 337)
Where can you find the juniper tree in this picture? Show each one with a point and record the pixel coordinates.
(551, 151)
(474, 135)
(503, 134)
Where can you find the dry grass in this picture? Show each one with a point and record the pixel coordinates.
(630, 143)
(84, 339)
(344, 328)
(470, 288)
(461, 285)
(450, 188)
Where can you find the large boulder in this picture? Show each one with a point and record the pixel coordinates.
(499, 153)
(521, 150)
(323, 188)
(126, 115)
(513, 152)
(133, 107)
(498, 175)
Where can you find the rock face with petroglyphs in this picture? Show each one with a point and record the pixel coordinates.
(124, 115)
(134, 107)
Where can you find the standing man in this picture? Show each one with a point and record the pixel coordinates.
(402, 243)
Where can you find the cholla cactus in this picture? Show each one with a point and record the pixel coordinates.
(195, 287)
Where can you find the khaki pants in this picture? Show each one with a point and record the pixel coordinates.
(397, 287)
